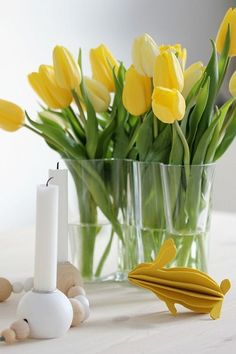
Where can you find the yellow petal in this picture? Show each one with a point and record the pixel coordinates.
(191, 75)
(62, 97)
(144, 53)
(67, 71)
(11, 116)
(168, 72)
(168, 105)
(136, 92)
(229, 19)
(98, 94)
(102, 63)
(232, 85)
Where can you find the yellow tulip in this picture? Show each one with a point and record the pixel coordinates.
(232, 85)
(168, 105)
(191, 75)
(229, 19)
(67, 71)
(98, 94)
(102, 63)
(144, 53)
(177, 49)
(137, 92)
(44, 84)
(11, 116)
(168, 72)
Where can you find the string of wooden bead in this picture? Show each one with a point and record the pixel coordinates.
(6, 288)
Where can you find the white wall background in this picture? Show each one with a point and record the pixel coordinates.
(29, 29)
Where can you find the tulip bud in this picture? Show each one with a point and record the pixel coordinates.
(191, 75)
(168, 105)
(102, 64)
(44, 84)
(54, 118)
(232, 85)
(11, 116)
(137, 92)
(229, 20)
(144, 53)
(177, 49)
(98, 94)
(168, 72)
(67, 71)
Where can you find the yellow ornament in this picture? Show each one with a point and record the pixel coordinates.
(188, 287)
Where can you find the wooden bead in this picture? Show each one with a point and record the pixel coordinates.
(9, 336)
(21, 329)
(5, 289)
(17, 287)
(76, 290)
(67, 276)
(78, 312)
(84, 301)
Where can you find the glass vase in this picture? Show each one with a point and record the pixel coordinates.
(101, 218)
(150, 217)
(188, 204)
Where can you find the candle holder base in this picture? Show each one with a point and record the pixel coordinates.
(67, 277)
(49, 315)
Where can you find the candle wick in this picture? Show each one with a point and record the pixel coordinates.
(57, 165)
(48, 181)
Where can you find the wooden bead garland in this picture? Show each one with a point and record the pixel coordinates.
(5, 289)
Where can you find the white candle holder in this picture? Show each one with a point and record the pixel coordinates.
(49, 314)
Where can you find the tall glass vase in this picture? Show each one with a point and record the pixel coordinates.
(101, 226)
(150, 220)
(188, 201)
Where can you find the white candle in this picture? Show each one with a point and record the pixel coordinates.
(45, 270)
(60, 178)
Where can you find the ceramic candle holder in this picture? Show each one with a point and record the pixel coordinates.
(49, 315)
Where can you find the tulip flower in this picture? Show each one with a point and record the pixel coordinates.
(144, 53)
(191, 75)
(229, 20)
(11, 116)
(232, 85)
(168, 72)
(54, 118)
(177, 49)
(168, 105)
(102, 64)
(98, 94)
(44, 84)
(137, 92)
(67, 71)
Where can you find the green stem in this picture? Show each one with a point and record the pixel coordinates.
(104, 256)
(155, 127)
(78, 104)
(186, 148)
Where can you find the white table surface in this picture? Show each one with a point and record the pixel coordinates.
(125, 319)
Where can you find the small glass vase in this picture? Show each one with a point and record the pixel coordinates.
(101, 218)
(188, 204)
(150, 218)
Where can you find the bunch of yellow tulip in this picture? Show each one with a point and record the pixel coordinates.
(119, 113)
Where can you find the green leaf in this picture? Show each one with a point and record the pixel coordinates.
(229, 136)
(221, 114)
(212, 72)
(57, 136)
(199, 156)
(177, 150)
(145, 136)
(92, 125)
(105, 138)
(197, 112)
(224, 58)
(161, 146)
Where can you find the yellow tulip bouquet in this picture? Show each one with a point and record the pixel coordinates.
(155, 111)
